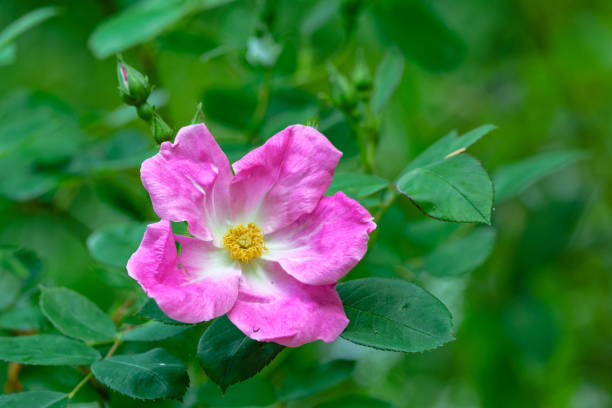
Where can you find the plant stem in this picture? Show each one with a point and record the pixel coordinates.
(79, 385)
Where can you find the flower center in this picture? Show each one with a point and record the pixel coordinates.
(244, 243)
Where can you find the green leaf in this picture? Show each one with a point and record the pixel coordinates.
(151, 310)
(10, 285)
(455, 189)
(510, 180)
(304, 384)
(449, 144)
(25, 22)
(394, 315)
(75, 315)
(356, 401)
(154, 331)
(139, 23)
(420, 33)
(387, 78)
(255, 392)
(462, 255)
(233, 107)
(8, 55)
(356, 185)
(228, 356)
(114, 244)
(34, 399)
(23, 316)
(151, 375)
(46, 349)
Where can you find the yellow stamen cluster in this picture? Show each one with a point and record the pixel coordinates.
(244, 243)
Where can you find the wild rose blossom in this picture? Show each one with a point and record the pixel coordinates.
(267, 247)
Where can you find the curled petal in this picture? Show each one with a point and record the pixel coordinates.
(273, 306)
(182, 174)
(285, 178)
(205, 286)
(321, 247)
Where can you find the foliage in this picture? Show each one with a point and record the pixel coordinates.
(525, 295)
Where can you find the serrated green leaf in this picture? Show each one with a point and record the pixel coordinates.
(152, 375)
(387, 78)
(304, 384)
(455, 189)
(511, 179)
(228, 356)
(114, 244)
(459, 256)
(26, 22)
(46, 349)
(34, 399)
(76, 316)
(151, 310)
(449, 144)
(392, 314)
(154, 331)
(254, 392)
(356, 185)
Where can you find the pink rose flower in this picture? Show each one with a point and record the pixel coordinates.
(267, 247)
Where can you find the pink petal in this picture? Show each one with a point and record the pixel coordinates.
(321, 247)
(273, 306)
(180, 176)
(205, 285)
(283, 179)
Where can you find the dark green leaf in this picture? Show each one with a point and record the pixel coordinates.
(255, 392)
(455, 189)
(46, 349)
(512, 179)
(228, 356)
(394, 315)
(25, 22)
(387, 78)
(151, 310)
(449, 144)
(356, 401)
(420, 33)
(462, 255)
(151, 375)
(114, 244)
(304, 384)
(356, 185)
(34, 399)
(154, 331)
(75, 315)
(23, 316)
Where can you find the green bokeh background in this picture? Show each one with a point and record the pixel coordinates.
(533, 324)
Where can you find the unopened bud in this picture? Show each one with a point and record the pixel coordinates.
(342, 91)
(362, 77)
(160, 129)
(134, 87)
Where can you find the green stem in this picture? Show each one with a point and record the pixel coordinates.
(263, 100)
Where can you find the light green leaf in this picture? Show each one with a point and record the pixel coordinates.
(455, 189)
(510, 180)
(304, 384)
(34, 399)
(449, 144)
(8, 55)
(114, 244)
(392, 314)
(46, 349)
(151, 375)
(356, 185)
(75, 315)
(154, 331)
(255, 392)
(387, 78)
(26, 22)
(459, 256)
(228, 356)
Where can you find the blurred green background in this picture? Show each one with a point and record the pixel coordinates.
(533, 323)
